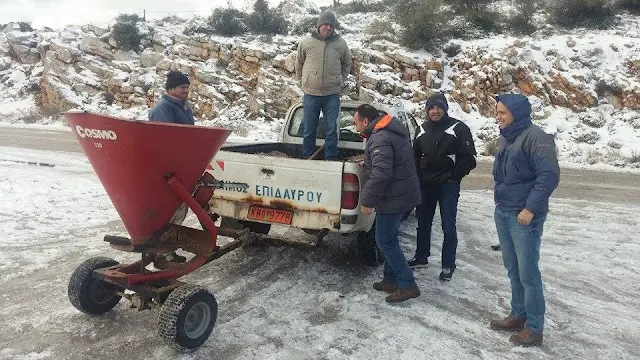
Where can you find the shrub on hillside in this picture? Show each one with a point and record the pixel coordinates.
(425, 24)
(227, 22)
(25, 26)
(381, 29)
(583, 13)
(126, 33)
(633, 6)
(522, 22)
(360, 6)
(266, 21)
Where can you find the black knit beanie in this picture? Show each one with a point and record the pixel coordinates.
(175, 79)
(439, 100)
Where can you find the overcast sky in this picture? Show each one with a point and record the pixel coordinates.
(57, 13)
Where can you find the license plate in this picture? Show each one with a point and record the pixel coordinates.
(270, 215)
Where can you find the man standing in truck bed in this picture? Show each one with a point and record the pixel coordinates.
(323, 63)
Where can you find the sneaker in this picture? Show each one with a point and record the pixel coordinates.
(445, 274)
(401, 295)
(416, 263)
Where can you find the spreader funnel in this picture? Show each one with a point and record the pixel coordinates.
(134, 158)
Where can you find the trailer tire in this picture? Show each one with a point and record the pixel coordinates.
(90, 295)
(187, 317)
(367, 250)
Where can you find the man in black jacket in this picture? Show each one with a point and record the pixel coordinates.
(392, 188)
(444, 153)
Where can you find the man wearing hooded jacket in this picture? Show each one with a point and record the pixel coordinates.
(444, 153)
(322, 65)
(526, 172)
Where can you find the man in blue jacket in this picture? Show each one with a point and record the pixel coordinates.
(173, 107)
(392, 188)
(526, 172)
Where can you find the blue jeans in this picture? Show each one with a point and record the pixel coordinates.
(446, 196)
(520, 245)
(396, 269)
(330, 106)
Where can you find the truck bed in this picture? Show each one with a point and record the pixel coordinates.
(293, 151)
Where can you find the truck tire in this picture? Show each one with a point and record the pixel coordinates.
(89, 295)
(367, 250)
(187, 317)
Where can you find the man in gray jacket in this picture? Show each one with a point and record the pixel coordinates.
(392, 188)
(322, 66)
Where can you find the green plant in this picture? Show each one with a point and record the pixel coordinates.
(227, 22)
(424, 23)
(266, 21)
(583, 13)
(633, 6)
(522, 22)
(126, 33)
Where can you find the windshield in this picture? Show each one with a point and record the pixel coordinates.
(345, 124)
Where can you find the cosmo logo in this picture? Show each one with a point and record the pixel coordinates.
(96, 133)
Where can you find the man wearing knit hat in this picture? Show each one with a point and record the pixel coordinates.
(322, 66)
(444, 153)
(172, 107)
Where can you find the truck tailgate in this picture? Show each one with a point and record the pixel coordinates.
(310, 190)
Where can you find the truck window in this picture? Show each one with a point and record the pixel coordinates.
(345, 124)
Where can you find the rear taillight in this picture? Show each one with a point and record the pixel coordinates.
(350, 191)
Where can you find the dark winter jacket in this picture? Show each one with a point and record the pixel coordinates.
(171, 110)
(391, 184)
(443, 150)
(526, 168)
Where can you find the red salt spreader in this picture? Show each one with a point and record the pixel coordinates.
(149, 170)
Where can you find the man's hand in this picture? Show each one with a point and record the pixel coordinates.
(366, 210)
(525, 217)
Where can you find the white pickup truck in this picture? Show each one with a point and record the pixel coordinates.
(269, 183)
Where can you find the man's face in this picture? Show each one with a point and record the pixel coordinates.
(360, 123)
(325, 31)
(435, 113)
(181, 92)
(504, 117)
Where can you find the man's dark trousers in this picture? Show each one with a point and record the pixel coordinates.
(446, 196)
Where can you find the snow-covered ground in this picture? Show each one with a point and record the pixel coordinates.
(282, 303)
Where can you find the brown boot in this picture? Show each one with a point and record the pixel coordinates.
(385, 286)
(401, 295)
(509, 323)
(527, 337)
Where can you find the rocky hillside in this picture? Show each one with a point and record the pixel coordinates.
(584, 85)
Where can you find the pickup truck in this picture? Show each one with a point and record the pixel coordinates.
(269, 183)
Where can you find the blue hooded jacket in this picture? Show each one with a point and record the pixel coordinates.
(526, 168)
(171, 111)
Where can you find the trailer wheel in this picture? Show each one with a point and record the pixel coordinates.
(367, 250)
(89, 295)
(187, 317)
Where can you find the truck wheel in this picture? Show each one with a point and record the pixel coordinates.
(367, 250)
(89, 295)
(187, 317)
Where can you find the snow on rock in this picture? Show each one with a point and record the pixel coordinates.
(584, 85)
